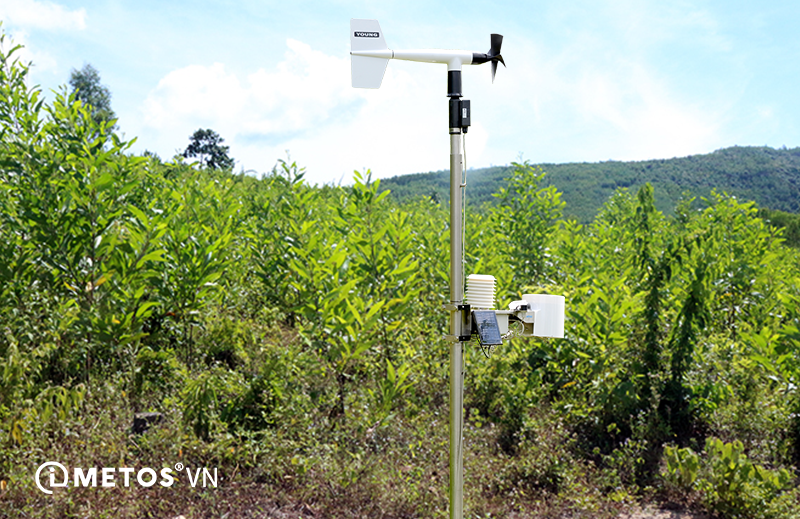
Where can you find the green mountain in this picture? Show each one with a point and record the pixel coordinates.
(770, 177)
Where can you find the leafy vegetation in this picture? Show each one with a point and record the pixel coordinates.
(291, 335)
(788, 222)
(731, 485)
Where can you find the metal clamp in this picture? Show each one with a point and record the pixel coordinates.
(457, 338)
(466, 321)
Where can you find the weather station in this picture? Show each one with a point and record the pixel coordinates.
(472, 315)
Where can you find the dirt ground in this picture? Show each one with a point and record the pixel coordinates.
(658, 513)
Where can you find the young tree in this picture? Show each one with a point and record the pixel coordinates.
(85, 84)
(526, 214)
(207, 146)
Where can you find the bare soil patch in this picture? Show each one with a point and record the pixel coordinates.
(654, 512)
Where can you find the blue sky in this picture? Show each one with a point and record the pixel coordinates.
(586, 80)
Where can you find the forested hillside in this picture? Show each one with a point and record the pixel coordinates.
(290, 336)
(770, 177)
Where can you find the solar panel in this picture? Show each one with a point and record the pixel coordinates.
(485, 323)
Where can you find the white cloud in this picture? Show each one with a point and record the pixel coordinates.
(41, 15)
(585, 99)
(194, 94)
(41, 61)
(301, 93)
(19, 16)
(305, 105)
(638, 111)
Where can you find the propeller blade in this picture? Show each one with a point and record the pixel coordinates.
(497, 42)
(494, 53)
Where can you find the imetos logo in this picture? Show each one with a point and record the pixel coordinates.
(362, 34)
(52, 475)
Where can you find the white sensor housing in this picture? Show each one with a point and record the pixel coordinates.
(548, 314)
(480, 291)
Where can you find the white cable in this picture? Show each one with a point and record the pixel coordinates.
(463, 208)
(464, 151)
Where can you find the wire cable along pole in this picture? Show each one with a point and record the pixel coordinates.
(535, 314)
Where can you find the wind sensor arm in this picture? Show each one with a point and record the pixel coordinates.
(370, 54)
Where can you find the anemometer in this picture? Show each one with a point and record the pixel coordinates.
(535, 314)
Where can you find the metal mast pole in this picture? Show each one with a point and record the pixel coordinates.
(456, 307)
(457, 347)
(370, 55)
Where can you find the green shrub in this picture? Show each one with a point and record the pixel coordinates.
(202, 399)
(224, 344)
(155, 374)
(254, 408)
(730, 484)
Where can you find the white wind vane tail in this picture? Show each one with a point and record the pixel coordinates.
(366, 36)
